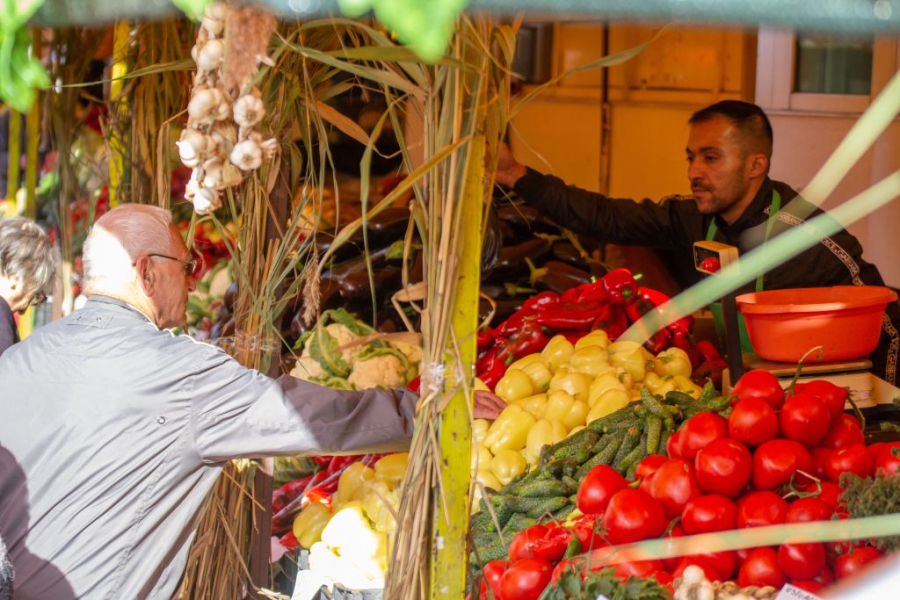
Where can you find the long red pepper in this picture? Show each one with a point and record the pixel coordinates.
(571, 316)
(648, 299)
(621, 287)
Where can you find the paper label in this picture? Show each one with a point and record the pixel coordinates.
(790, 592)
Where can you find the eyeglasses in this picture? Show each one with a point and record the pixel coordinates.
(188, 265)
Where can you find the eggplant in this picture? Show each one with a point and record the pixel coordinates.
(355, 286)
(567, 253)
(520, 216)
(388, 225)
(344, 252)
(560, 277)
(511, 261)
(505, 308)
(508, 233)
(493, 290)
(376, 258)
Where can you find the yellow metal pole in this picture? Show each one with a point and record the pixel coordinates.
(15, 155)
(33, 130)
(117, 142)
(448, 569)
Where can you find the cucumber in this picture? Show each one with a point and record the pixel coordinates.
(518, 522)
(632, 439)
(601, 458)
(550, 505)
(631, 458)
(542, 489)
(654, 434)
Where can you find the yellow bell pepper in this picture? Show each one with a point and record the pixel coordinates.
(631, 357)
(527, 360)
(507, 464)
(658, 385)
(603, 382)
(350, 533)
(310, 522)
(381, 502)
(561, 406)
(575, 384)
(543, 433)
(479, 429)
(595, 338)
(510, 430)
(481, 457)
(515, 385)
(392, 468)
(535, 405)
(487, 478)
(591, 360)
(684, 384)
(540, 375)
(479, 386)
(352, 481)
(673, 361)
(609, 401)
(557, 352)
(576, 429)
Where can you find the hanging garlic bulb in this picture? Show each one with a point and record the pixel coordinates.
(212, 26)
(249, 110)
(188, 154)
(212, 174)
(231, 175)
(246, 155)
(269, 148)
(205, 105)
(210, 55)
(216, 11)
(205, 201)
(192, 186)
(223, 109)
(225, 135)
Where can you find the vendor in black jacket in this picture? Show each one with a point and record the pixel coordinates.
(734, 201)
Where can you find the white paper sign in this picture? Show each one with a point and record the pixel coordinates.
(790, 592)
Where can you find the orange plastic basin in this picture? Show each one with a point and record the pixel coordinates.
(845, 320)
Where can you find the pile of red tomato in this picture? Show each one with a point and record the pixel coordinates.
(773, 460)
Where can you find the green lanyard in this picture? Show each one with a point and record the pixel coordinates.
(774, 207)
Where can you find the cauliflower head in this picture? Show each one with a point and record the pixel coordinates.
(308, 368)
(343, 335)
(382, 371)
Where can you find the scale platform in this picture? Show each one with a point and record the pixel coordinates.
(866, 389)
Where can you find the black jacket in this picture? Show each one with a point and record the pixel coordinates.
(9, 335)
(675, 223)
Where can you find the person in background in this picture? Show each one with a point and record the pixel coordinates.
(114, 430)
(27, 271)
(728, 153)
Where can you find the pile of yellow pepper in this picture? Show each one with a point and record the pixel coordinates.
(552, 394)
(349, 542)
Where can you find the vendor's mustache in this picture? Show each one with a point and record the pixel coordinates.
(696, 185)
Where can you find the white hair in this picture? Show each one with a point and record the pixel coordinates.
(27, 255)
(117, 240)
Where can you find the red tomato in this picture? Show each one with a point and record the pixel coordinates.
(673, 485)
(805, 419)
(708, 570)
(761, 568)
(540, 541)
(647, 468)
(760, 508)
(700, 430)
(573, 564)
(676, 531)
(706, 514)
(627, 563)
(833, 397)
(525, 579)
(805, 510)
(674, 445)
(888, 460)
(493, 572)
(776, 461)
(854, 459)
(819, 458)
(813, 587)
(752, 422)
(801, 560)
(710, 264)
(585, 529)
(830, 493)
(760, 384)
(664, 579)
(724, 562)
(844, 432)
(723, 467)
(632, 516)
(597, 487)
(874, 449)
(855, 561)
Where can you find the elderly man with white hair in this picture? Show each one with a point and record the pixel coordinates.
(115, 430)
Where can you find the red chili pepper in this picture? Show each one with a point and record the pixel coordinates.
(288, 492)
(683, 340)
(593, 292)
(529, 339)
(415, 384)
(321, 494)
(648, 299)
(339, 463)
(619, 324)
(322, 461)
(289, 541)
(621, 287)
(571, 316)
(659, 341)
(708, 350)
(485, 339)
(491, 370)
(529, 309)
(542, 299)
(712, 370)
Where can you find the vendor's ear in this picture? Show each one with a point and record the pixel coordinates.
(757, 165)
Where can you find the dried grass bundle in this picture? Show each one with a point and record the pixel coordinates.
(249, 30)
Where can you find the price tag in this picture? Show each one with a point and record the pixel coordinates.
(790, 592)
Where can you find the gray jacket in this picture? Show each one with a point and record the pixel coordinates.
(112, 433)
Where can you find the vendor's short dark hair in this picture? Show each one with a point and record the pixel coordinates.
(749, 118)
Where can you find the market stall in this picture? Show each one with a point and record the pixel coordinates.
(626, 461)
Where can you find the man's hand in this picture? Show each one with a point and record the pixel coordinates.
(509, 170)
(487, 405)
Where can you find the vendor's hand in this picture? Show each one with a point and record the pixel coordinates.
(487, 405)
(509, 170)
